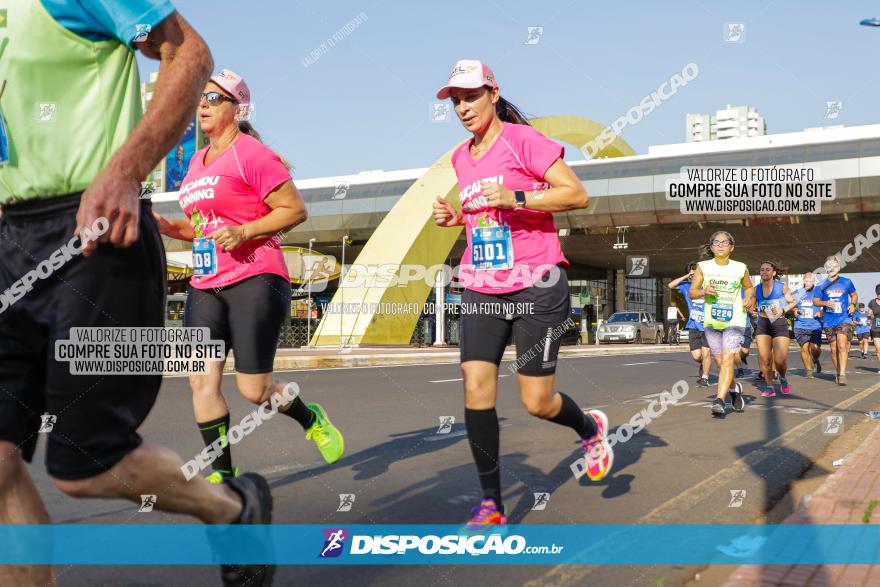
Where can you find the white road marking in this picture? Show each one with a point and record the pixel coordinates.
(458, 379)
(631, 364)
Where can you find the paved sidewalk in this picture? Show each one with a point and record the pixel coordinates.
(842, 499)
(328, 357)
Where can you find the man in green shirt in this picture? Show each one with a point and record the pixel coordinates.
(75, 153)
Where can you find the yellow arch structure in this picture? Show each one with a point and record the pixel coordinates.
(367, 310)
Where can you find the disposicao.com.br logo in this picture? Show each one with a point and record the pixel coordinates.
(450, 544)
(334, 542)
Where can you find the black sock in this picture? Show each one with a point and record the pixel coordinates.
(483, 436)
(213, 430)
(301, 413)
(572, 416)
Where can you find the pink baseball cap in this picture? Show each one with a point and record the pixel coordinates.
(234, 84)
(468, 73)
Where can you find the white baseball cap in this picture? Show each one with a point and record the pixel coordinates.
(468, 74)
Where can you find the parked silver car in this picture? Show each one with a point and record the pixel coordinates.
(635, 326)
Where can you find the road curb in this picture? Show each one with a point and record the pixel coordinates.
(343, 360)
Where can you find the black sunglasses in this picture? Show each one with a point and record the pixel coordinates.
(215, 98)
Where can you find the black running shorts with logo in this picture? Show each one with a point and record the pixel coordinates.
(774, 328)
(536, 317)
(247, 316)
(94, 418)
(697, 339)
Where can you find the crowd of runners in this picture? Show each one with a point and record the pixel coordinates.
(237, 199)
(723, 302)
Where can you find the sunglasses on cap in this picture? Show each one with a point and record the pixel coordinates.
(214, 98)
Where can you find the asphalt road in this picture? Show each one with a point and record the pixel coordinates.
(681, 469)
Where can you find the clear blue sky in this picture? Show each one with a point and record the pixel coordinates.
(365, 104)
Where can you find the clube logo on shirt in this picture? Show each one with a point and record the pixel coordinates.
(476, 203)
(197, 190)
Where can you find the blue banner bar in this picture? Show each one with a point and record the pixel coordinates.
(422, 544)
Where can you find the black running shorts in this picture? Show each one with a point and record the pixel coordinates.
(697, 339)
(94, 418)
(537, 317)
(804, 336)
(247, 316)
(774, 328)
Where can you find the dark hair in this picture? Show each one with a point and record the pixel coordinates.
(705, 253)
(692, 266)
(777, 267)
(248, 129)
(507, 112)
(877, 289)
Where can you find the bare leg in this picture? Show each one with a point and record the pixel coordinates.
(20, 503)
(842, 352)
(806, 355)
(707, 361)
(725, 373)
(765, 357)
(780, 355)
(834, 353)
(155, 470)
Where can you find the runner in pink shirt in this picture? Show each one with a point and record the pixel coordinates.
(239, 198)
(511, 179)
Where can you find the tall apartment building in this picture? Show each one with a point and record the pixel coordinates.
(730, 123)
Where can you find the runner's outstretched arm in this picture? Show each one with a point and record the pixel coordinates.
(697, 284)
(675, 282)
(748, 291)
(791, 302)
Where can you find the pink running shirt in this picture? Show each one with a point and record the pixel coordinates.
(517, 160)
(230, 192)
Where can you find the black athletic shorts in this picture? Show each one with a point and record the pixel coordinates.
(863, 335)
(875, 333)
(697, 339)
(247, 316)
(778, 327)
(95, 417)
(803, 336)
(537, 317)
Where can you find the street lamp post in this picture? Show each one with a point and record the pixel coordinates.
(342, 290)
(309, 311)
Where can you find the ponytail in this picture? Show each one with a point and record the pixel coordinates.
(507, 112)
(247, 128)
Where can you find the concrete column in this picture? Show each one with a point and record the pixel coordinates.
(608, 307)
(619, 290)
(665, 298)
(440, 310)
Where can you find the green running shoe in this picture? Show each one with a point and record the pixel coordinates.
(218, 477)
(325, 435)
